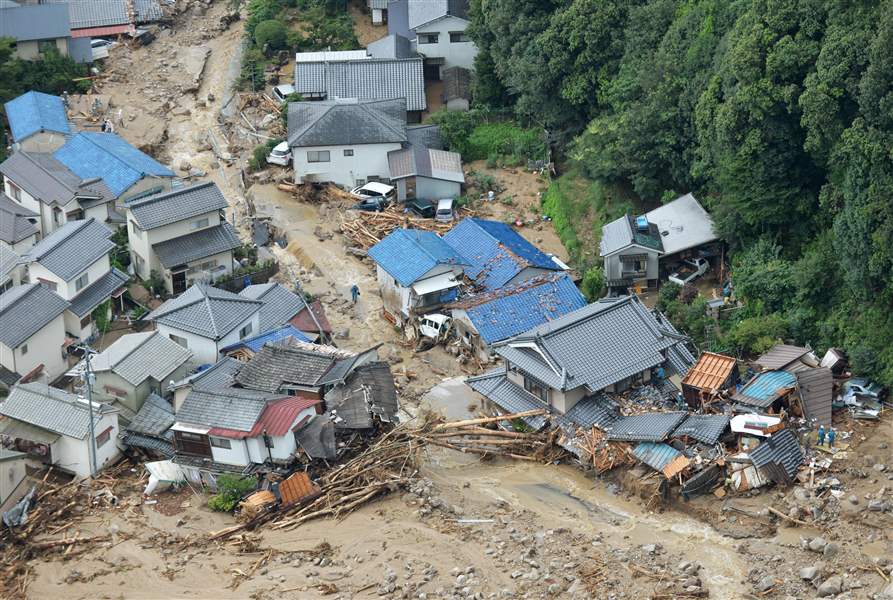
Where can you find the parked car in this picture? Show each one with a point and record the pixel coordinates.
(375, 189)
(375, 204)
(444, 210)
(101, 43)
(422, 208)
(691, 269)
(280, 154)
(281, 92)
(860, 386)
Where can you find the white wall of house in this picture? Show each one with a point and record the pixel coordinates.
(73, 455)
(206, 350)
(42, 141)
(400, 301)
(68, 289)
(436, 189)
(30, 49)
(12, 472)
(44, 347)
(368, 160)
(141, 241)
(236, 454)
(455, 54)
(253, 449)
(15, 191)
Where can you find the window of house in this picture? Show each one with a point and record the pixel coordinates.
(314, 156)
(86, 321)
(361, 182)
(221, 443)
(6, 286)
(180, 340)
(428, 38)
(199, 223)
(81, 282)
(459, 36)
(44, 46)
(24, 349)
(137, 232)
(103, 437)
(116, 392)
(191, 437)
(245, 331)
(57, 216)
(536, 388)
(16, 192)
(348, 153)
(50, 285)
(75, 215)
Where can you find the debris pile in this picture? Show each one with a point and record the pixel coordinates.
(365, 229)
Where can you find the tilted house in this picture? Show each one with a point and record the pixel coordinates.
(183, 235)
(420, 172)
(636, 249)
(137, 365)
(19, 229)
(606, 346)
(345, 142)
(496, 254)
(417, 272)
(32, 332)
(245, 349)
(73, 261)
(38, 122)
(127, 172)
(42, 184)
(150, 429)
(53, 426)
(206, 319)
(484, 319)
(438, 31)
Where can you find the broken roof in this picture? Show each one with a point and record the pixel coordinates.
(780, 356)
(706, 429)
(279, 304)
(70, 250)
(661, 457)
(205, 311)
(346, 122)
(419, 161)
(683, 224)
(136, 357)
(289, 363)
(779, 456)
(257, 342)
(366, 79)
(25, 310)
(711, 372)
(645, 427)
(508, 395)
(595, 346)
(180, 204)
(52, 409)
(368, 391)
(506, 312)
(817, 391)
(765, 388)
(317, 322)
(495, 252)
(33, 112)
(408, 254)
(154, 418)
(316, 437)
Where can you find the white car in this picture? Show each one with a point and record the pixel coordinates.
(374, 189)
(280, 155)
(101, 43)
(444, 211)
(691, 269)
(434, 325)
(281, 92)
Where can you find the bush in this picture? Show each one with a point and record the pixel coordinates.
(755, 335)
(258, 158)
(669, 293)
(251, 77)
(230, 490)
(155, 284)
(593, 284)
(270, 35)
(260, 11)
(100, 316)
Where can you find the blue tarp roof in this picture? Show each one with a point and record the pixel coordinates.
(655, 455)
(33, 112)
(495, 252)
(516, 309)
(763, 389)
(257, 342)
(108, 156)
(407, 254)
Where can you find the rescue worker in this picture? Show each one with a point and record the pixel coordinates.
(821, 435)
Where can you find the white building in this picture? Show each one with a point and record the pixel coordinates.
(426, 173)
(19, 226)
(73, 261)
(437, 29)
(183, 235)
(345, 142)
(32, 332)
(53, 426)
(205, 319)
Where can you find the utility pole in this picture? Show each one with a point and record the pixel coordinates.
(88, 381)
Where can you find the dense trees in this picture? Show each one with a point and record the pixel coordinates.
(778, 114)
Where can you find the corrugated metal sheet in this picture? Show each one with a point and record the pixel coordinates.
(711, 371)
(297, 487)
(766, 388)
(780, 356)
(779, 456)
(656, 456)
(816, 392)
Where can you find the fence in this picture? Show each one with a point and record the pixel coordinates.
(237, 283)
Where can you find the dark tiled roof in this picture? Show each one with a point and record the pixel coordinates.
(365, 79)
(703, 428)
(368, 391)
(181, 204)
(98, 292)
(51, 409)
(345, 123)
(598, 411)
(72, 248)
(136, 357)
(780, 356)
(25, 310)
(160, 445)
(154, 418)
(287, 363)
(457, 83)
(647, 427)
(279, 304)
(779, 456)
(48, 180)
(317, 437)
(15, 221)
(507, 395)
(205, 311)
(228, 408)
(195, 246)
(426, 135)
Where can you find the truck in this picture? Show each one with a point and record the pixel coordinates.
(691, 269)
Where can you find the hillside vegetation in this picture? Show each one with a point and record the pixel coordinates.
(777, 114)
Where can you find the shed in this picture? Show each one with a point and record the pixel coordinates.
(426, 173)
(816, 392)
(784, 357)
(456, 88)
(712, 373)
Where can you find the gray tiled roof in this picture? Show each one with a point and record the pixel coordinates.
(344, 123)
(780, 356)
(615, 235)
(598, 410)
(96, 13)
(424, 135)
(368, 391)
(154, 418)
(72, 248)
(426, 162)
(35, 22)
(286, 363)
(15, 221)
(365, 79)
(317, 437)
(52, 409)
(9, 260)
(177, 205)
(779, 456)
(456, 83)
(205, 311)
(48, 180)
(279, 304)
(198, 245)
(227, 408)
(98, 292)
(8, 378)
(161, 445)
(595, 346)
(221, 374)
(147, 11)
(137, 356)
(703, 428)
(392, 46)
(509, 396)
(425, 11)
(646, 427)
(25, 310)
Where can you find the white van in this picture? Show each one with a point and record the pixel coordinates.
(444, 210)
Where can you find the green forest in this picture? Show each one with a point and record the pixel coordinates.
(776, 114)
